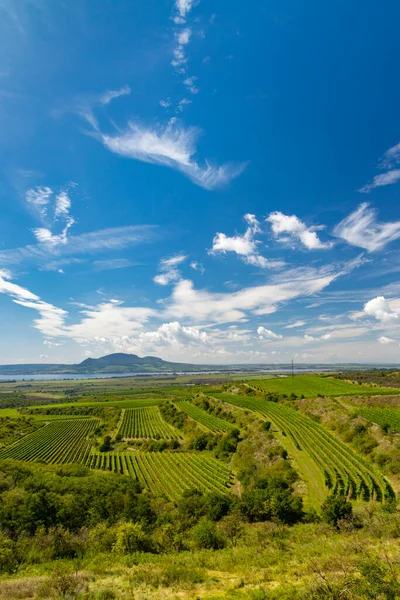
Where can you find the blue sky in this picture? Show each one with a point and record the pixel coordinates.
(207, 182)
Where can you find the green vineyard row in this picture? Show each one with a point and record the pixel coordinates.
(343, 470)
(57, 443)
(166, 473)
(204, 418)
(385, 417)
(140, 423)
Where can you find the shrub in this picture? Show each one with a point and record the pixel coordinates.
(336, 508)
(130, 538)
(205, 535)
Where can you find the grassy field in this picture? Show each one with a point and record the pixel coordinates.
(314, 385)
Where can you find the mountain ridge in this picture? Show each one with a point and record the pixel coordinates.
(118, 362)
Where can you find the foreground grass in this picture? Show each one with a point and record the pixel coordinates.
(271, 562)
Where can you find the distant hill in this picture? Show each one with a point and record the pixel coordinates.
(112, 363)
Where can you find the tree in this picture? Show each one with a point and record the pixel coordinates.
(130, 538)
(206, 536)
(336, 508)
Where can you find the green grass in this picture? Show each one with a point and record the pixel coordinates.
(9, 412)
(311, 385)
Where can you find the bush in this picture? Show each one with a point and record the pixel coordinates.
(205, 535)
(130, 538)
(336, 508)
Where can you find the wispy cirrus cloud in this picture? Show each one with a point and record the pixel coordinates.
(114, 238)
(382, 179)
(390, 159)
(173, 146)
(362, 229)
(288, 228)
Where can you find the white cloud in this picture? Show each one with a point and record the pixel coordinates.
(190, 83)
(42, 198)
(111, 264)
(293, 228)
(244, 245)
(387, 178)
(196, 266)
(201, 305)
(39, 197)
(380, 309)
(182, 38)
(172, 146)
(62, 205)
(114, 238)
(361, 229)
(169, 271)
(386, 340)
(108, 95)
(267, 334)
(321, 338)
(391, 157)
(182, 104)
(184, 7)
(296, 324)
(85, 106)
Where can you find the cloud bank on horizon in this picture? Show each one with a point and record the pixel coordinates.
(164, 204)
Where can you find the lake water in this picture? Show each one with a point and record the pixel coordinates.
(76, 376)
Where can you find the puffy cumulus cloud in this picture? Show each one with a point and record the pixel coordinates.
(386, 340)
(380, 309)
(172, 146)
(175, 333)
(245, 246)
(362, 229)
(289, 227)
(267, 334)
(321, 338)
(168, 270)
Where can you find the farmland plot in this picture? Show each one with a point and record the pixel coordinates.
(56, 443)
(142, 423)
(203, 417)
(343, 470)
(166, 473)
